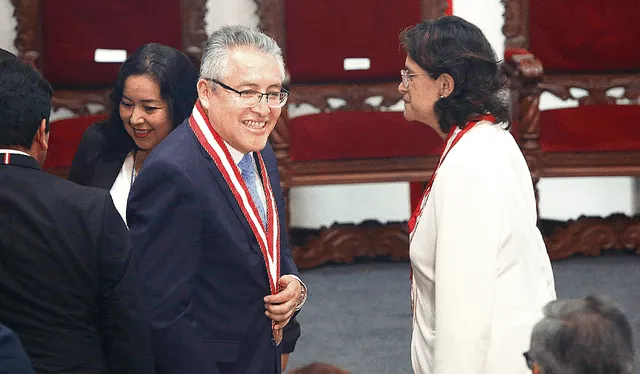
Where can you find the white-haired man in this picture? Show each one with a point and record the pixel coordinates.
(206, 216)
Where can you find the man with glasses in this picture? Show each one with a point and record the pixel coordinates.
(581, 336)
(207, 220)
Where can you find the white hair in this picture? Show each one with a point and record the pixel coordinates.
(215, 55)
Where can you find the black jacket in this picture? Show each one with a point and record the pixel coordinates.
(67, 287)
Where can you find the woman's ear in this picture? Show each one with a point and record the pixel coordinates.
(446, 83)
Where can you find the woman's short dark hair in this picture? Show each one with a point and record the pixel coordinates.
(456, 47)
(175, 74)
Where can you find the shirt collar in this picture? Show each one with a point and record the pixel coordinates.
(235, 154)
(14, 151)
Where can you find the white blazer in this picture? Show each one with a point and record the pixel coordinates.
(481, 273)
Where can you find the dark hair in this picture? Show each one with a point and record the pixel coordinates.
(586, 335)
(25, 99)
(175, 74)
(456, 47)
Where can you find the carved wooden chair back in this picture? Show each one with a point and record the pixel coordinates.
(578, 50)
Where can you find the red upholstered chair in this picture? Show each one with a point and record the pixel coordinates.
(64, 139)
(60, 38)
(587, 44)
(357, 142)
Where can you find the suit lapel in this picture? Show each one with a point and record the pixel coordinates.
(231, 200)
(109, 169)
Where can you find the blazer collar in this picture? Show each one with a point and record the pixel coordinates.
(19, 160)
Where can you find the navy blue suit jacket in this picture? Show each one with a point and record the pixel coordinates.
(202, 271)
(13, 359)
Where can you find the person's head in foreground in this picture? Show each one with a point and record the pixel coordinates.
(153, 94)
(581, 336)
(240, 86)
(25, 106)
(451, 75)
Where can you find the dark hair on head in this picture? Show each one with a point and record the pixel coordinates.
(175, 74)
(451, 45)
(25, 99)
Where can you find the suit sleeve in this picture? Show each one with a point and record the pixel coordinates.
(164, 219)
(469, 223)
(13, 358)
(124, 329)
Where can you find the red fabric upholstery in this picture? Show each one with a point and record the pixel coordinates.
(75, 28)
(591, 128)
(353, 135)
(322, 33)
(585, 35)
(64, 138)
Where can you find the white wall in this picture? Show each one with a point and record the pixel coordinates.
(315, 206)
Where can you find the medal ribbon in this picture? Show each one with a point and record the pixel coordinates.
(268, 237)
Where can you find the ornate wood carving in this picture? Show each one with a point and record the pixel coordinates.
(516, 25)
(271, 20)
(194, 32)
(354, 95)
(345, 243)
(591, 235)
(596, 85)
(433, 8)
(28, 30)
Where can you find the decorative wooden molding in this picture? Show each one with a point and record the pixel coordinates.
(28, 30)
(596, 85)
(354, 95)
(346, 243)
(194, 28)
(591, 235)
(516, 25)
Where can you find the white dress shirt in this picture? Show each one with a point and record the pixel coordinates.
(122, 185)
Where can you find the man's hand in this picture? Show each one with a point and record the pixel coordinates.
(281, 306)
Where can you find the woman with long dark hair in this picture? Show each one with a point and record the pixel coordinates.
(154, 92)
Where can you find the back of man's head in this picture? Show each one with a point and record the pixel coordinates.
(25, 100)
(579, 336)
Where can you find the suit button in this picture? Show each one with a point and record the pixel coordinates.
(273, 342)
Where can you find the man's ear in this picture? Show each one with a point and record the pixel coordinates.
(536, 369)
(41, 139)
(446, 83)
(204, 93)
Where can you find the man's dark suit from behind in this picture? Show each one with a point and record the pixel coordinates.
(13, 359)
(67, 288)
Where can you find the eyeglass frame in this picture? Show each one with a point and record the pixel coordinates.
(404, 73)
(262, 94)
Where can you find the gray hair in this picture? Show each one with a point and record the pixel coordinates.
(579, 336)
(221, 41)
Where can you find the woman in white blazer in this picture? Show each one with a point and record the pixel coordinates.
(480, 271)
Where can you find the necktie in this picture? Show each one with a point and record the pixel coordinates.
(248, 172)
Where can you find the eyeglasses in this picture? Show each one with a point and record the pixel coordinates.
(529, 359)
(404, 73)
(250, 98)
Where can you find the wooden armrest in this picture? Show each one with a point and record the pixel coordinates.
(522, 64)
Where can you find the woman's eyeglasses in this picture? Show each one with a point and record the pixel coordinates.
(404, 73)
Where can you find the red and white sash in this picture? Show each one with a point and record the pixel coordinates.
(268, 237)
